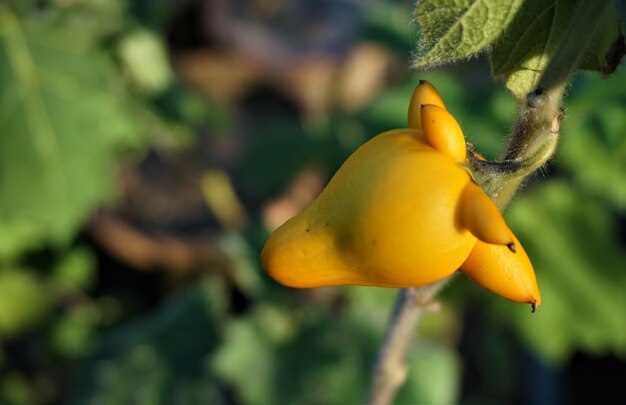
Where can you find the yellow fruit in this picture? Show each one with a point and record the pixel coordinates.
(443, 132)
(424, 93)
(403, 212)
(387, 218)
(482, 218)
(503, 272)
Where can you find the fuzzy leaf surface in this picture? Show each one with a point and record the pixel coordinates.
(539, 28)
(458, 29)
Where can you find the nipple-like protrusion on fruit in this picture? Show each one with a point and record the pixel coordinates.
(483, 219)
(507, 274)
(424, 93)
(443, 132)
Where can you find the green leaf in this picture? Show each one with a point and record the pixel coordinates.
(61, 121)
(607, 47)
(245, 346)
(95, 20)
(75, 271)
(23, 301)
(145, 61)
(579, 261)
(524, 50)
(593, 150)
(434, 376)
(319, 349)
(457, 29)
(386, 23)
(161, 359)
(245, 270)
(16, 390)
(74, 332)
(598, 164)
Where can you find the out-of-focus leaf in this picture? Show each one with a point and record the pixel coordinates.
(283, 355)
(22, 6)
(245, 263)
(15, 390)
(222, 199)
(434, 376)
(144, 58)
(593, 149)
(607, 47)
(434, 370)
(75, 270)
(387, 22)
(371, 306)
(524, 50)
(282, 148)
(246, 361)
(17, 235)
(325, 351)
(23, 300)
(597, 165)
(152, 14)
(579, 262)
(457, 29)
(183, 105)
(95, 20)
(161, 359)
(61, 123)
(588, 93)
(74, 332)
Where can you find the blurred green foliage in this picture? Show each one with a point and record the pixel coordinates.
(573, 228)
(57, 149)
(73, 106)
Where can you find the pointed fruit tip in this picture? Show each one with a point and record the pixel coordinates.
(483, 219)
(424, 93)
(508, 275)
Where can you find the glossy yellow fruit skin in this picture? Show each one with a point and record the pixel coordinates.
(443, 132)
(481, 217)
(389, 217)
(503, 272)
(424, 93)
(402, 212)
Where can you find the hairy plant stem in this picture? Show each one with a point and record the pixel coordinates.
(531, 145)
